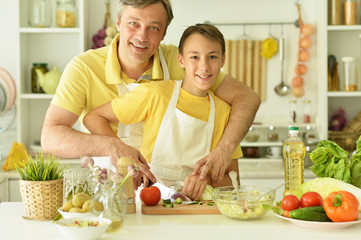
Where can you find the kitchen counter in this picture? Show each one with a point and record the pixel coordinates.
(138, 226)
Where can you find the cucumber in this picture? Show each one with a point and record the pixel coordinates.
(310, 214)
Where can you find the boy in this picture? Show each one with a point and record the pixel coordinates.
(183, 120)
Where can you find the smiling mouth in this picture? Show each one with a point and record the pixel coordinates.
(204, 76)
(138, 46)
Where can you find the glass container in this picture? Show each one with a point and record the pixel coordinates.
(350, 12)
(35, 87)
(349, 74)
(114, 203)
(66, 13)
(272, 134)
(293, 111)
(252, 135)
(78, 180)
(307, 111)
(335, 12)
(39, 13)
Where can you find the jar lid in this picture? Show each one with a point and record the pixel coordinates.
(40, 64)
(348, 59)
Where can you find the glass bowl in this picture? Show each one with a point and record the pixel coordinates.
(246, 204)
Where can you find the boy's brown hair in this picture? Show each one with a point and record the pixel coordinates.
(207, 30)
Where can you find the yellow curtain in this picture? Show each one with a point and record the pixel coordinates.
(245, 63)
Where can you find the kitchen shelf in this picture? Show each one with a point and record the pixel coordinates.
(52, 45)
(261, 144)
(50, 30)
(36, 96)
(344, 94)
(344, 28)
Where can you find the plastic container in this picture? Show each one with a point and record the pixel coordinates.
(293, 154)
(39, 13)
(349, 74)
(66, 13)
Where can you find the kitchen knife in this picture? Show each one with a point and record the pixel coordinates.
(169, 193)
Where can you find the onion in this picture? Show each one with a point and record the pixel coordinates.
(307, 29)
(305, 42)
(300, 69)
(298, 92)
(298, 81)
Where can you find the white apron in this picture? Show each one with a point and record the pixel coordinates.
(182, 140)
(132, 134)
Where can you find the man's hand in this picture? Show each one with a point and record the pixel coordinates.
(194, 187)
(218, 160)
(118, 149)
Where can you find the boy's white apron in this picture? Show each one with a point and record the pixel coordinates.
(182, 141)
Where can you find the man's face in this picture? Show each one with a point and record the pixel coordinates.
(202, 59)
(141, 31)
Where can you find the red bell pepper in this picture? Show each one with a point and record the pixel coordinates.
(341, 206)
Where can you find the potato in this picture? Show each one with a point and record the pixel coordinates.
(98, 206)
(79, 199)
(67, 206)
(86, 206)
(76, 210)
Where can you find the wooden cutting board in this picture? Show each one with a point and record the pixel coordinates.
(180, 209)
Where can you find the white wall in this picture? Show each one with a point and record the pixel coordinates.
(188, 12)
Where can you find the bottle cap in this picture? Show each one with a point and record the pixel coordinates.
(293, 128)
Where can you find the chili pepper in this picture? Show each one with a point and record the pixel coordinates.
(341, 206)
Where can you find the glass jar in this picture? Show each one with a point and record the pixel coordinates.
(350, 12)
(78, 180)
(252, 135)
(39, 13)
(65, 13)
(335, 12)
(272, 134)
(113, 204)
(349, 74)
(293, 111)
(307, 111)
(35, 87)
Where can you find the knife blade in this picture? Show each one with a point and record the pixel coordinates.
(169, 193)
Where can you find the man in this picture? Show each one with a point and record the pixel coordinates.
(135, 56)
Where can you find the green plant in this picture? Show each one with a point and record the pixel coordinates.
(40, 167)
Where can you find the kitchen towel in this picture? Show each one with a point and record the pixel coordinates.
(245, 63)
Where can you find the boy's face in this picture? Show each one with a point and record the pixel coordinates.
(141, 31)
(202, 59)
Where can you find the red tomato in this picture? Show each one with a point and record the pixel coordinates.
(150, 195)
(310, 199)
(290, 202)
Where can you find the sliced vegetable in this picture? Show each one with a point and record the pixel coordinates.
(207, 193)
(310, 214)
(325, 186)
(178, 200)
(341, 206)
(277, 209)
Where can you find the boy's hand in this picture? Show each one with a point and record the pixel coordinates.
(218, 160)
(194, 187)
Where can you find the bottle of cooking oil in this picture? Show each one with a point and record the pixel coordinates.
(293, 153)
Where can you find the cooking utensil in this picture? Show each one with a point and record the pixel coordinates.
(282, 89)
(233, 176)
(181, 209)
(272, 190)
(169, 193)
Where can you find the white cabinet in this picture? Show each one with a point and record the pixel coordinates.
(4, 193)
(14, 190)
(54, 46)
(340, 41)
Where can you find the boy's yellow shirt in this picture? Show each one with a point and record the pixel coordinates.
(149, 102)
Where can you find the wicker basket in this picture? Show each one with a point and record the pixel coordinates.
(42, 198)
(346, 140)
